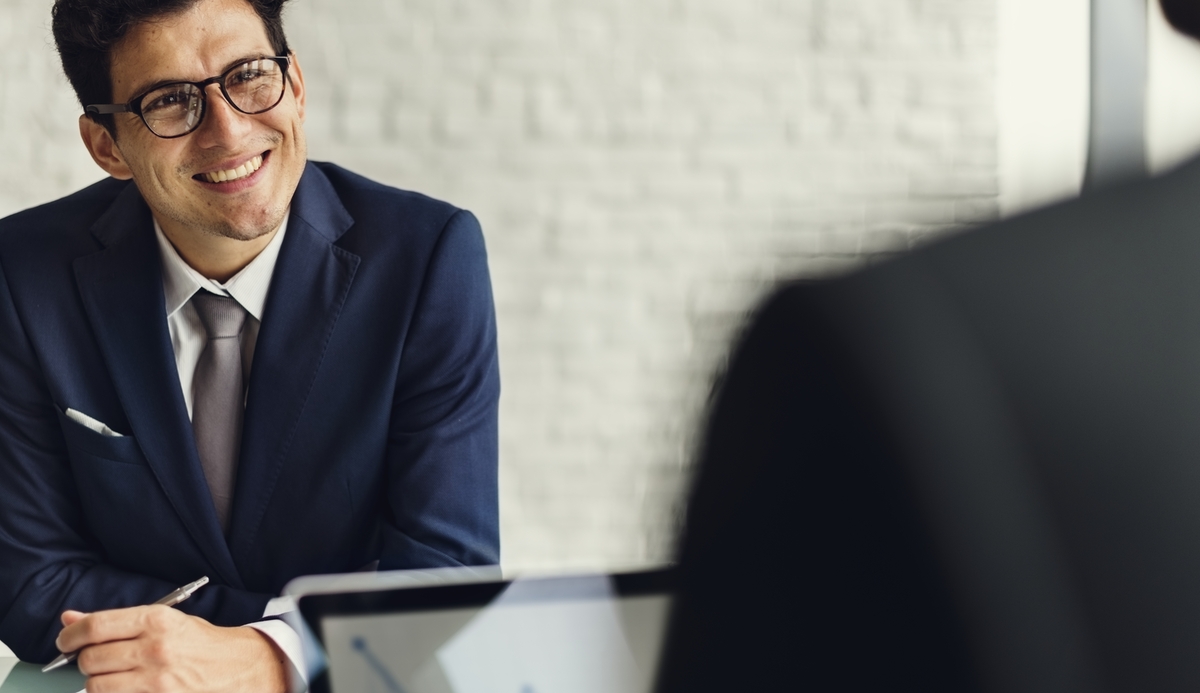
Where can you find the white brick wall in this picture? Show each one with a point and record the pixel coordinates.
(644, 170)
(41, 157)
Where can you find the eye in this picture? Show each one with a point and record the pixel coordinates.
(251, 72)
(244, 76)
(171, 98)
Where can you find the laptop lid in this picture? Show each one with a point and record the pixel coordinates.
(453, 631)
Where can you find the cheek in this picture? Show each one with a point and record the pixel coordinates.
(161, 187)
(153, 164)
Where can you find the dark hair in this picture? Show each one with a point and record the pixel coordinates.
(85, 32)
(1184, 15)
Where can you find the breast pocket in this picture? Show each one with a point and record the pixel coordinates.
(122, 502)
(84, 442)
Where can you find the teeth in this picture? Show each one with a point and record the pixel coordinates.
(240, 172)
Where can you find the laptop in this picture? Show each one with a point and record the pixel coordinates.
(470, 631)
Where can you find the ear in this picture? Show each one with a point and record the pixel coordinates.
(103, 148)
(296, 77)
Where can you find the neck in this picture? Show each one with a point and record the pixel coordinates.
(215, 257)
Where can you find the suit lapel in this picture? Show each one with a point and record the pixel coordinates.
(310, 283)
(122, 292)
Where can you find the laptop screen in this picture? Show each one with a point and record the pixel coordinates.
(584, 634)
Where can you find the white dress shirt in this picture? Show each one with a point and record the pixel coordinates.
(249, 288)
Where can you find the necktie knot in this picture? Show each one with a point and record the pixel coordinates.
(221, 316)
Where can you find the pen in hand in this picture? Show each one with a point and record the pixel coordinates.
(170, 600)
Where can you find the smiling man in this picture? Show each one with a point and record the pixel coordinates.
(226, 360)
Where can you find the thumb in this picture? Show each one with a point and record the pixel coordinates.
(70, 616)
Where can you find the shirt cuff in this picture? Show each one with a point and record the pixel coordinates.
(278, 606)
(288, 641)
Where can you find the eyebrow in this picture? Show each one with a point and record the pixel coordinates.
(228, 66)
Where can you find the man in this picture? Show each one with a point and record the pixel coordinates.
(970, 468)
(225, 361)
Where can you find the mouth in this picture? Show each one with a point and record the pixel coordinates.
(244, 170)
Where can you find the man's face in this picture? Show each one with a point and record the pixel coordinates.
(175, 175)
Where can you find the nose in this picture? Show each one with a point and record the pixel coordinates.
(223, 126)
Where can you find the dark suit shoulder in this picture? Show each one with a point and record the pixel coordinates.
(396, 233)
(1147, 228)
(61, 225)
(365, 198)
(1115, 267)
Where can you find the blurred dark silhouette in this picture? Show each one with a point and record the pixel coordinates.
(974, 467)
(1184, 15)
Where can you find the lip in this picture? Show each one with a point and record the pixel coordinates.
(241, 183)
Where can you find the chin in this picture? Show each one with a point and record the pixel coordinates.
(246, 231)
(241, 235)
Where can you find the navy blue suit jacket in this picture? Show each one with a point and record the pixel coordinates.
(370, 427)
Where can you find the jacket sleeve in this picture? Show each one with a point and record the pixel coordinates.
(48, 560)
(442, 451)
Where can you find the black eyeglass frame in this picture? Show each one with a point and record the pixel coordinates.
(134, 105)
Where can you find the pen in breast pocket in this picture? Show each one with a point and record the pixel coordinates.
(170, 600)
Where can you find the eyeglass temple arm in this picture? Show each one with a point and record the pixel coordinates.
(106, 108)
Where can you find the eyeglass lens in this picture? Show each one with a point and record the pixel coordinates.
(176, 109)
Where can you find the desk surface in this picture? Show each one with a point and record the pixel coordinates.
(20, 677)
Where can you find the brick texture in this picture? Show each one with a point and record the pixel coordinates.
(644, 170)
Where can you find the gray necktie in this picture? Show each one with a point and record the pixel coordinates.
(219, 397)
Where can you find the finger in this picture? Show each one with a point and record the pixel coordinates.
(125, 682)
(111, 657)
(71, 616)
(109, 625)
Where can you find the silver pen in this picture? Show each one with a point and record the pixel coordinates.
(170, 600)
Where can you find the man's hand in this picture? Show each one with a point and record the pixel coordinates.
(157, 649)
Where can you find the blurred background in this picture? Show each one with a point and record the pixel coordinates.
(645, 171)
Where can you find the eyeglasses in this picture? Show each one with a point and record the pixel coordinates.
(175, 109)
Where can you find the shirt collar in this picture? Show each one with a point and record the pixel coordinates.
(248, 287)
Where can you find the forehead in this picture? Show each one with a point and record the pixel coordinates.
(193, 44)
